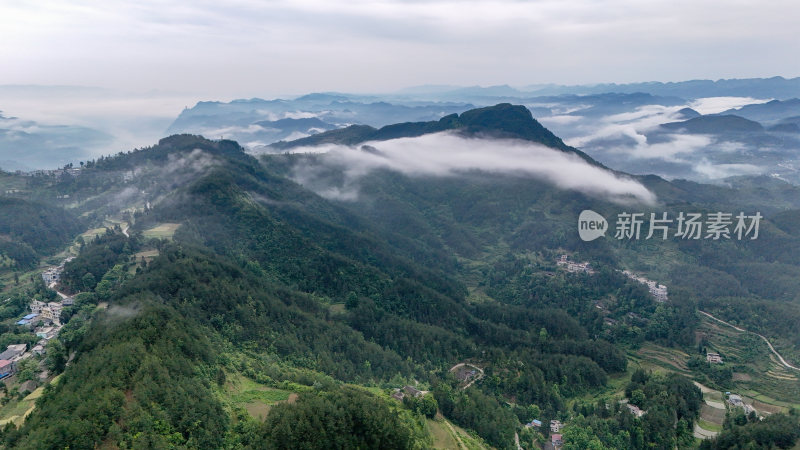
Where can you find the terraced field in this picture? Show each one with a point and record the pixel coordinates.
(162, 231)
(758, 374)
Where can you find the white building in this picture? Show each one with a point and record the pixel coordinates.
(659, 291)
(574, 267)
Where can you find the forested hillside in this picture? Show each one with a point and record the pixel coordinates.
(30, 230)
(275, 317)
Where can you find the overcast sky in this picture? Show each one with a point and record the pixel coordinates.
(266, 48)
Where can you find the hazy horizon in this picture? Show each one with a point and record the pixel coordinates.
(255, 48)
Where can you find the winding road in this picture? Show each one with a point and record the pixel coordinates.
(769, 344)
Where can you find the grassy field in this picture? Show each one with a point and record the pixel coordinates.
(162, 231)
(256, 398)
(88, 235)
(447, 435)
(16, 410)
(469, 440)
(440, 432)
(147, 255)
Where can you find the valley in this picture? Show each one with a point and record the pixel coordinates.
(201, 269)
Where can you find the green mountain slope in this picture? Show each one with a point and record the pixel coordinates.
(324, 307)
(29, 230)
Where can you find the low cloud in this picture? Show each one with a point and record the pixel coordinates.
(633, 125)
(447, 155)
(720, 171)
(714, 105)
(634, 141)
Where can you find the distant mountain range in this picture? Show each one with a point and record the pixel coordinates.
(619, 125)
(775, 87)
(27, 145)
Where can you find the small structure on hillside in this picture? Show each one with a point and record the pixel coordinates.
(735, 400)
(534, 423)
(29, 320)
(713, 358)
(7, 368)
(635, 410)
(659, 291)
(555, 426)
(14, 352)
(412, 391)
(573, 266)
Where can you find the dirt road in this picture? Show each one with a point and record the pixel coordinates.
(769, 344)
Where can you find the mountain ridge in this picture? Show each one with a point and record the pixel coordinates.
(503, 120)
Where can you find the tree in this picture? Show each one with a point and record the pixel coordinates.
(88, 281)
(638, 398)
(56, 356)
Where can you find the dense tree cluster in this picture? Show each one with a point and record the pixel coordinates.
(32, 230)
(740, 431)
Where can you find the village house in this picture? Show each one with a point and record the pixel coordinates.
(412, 391)
(555, 426)
(398, 394)
(659, 291)
(28, 320)
(51, 276)
(534, 423)
(714, 358)
(36, 306)
(52, 312)
(48, 312)
(574, 267)
(735, 400)
(556, 440)
(13, 352)
(47, 333)
(7, 368)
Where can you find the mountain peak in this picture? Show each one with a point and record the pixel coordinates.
(503, 120)
(507, 120)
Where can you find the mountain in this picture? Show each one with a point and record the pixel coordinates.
(770, 112)
(688, 113)
(257, 123)
(232, 303)
(762, 88)
(775, 87)
(30, 230)
(721, 124)
(785, 128)
(25, 144)
(500, 121)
